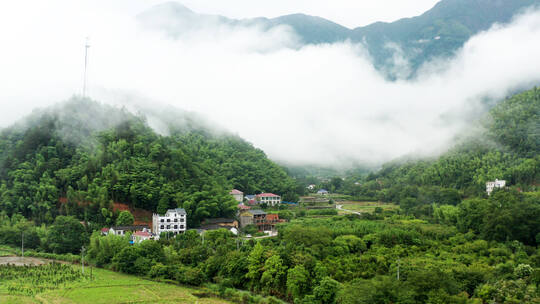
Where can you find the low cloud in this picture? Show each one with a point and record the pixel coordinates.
(323, 104)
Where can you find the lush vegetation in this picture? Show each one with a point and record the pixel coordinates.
(56, 283)
(29, 280)
(447, 243)
(341, 259)
(193, 167)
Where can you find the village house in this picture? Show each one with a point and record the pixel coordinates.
(269, 199)
(140, 236)
(494, 184)
(238, 195)
(311, 187)
(122, 230)
(174, 220)
(322, 192)
(104, 231)
(243, 207)
(220, 223)
(259, 218)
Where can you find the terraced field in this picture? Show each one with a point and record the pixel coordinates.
(365, 207)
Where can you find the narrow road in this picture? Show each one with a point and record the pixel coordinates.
(340, 207)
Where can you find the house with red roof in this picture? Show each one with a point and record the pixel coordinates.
(238, 195)
(139, 236)
(269, 199)
(243, 207)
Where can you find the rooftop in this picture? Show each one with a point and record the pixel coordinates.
(130, 228)
(219, 221)
(177, 210)
(142, 233)
(234, 191)
(256, 212)
(267, 195)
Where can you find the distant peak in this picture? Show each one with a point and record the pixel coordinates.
(172, 6)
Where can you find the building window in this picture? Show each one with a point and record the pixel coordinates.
(175, 220)
(162, 227)
(168, 220)
(168, 226)
(181, 220)
(181, 226)
(175, 226)
(162, 220)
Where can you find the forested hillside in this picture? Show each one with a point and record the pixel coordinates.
(507, 148)
(95, 155)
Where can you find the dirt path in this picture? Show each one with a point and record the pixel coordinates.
(20, 261)
(340, 207)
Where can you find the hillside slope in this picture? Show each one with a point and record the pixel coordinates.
(103, 154)
(506, 147)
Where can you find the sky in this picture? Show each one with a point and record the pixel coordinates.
(323, 105)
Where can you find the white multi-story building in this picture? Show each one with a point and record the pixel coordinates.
(269, 199)
(174, 220)
(238, 195)
(496, 184)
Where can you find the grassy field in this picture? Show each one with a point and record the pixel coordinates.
(109, 287)
(6, 251)
(366, 207)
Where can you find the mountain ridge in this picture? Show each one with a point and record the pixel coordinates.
(438, 32)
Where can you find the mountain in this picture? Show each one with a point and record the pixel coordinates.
(88, 156)
(438, 32)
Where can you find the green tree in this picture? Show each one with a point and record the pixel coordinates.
(67, 234)
(125, 218)
(298, 283)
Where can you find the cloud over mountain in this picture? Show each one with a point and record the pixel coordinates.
(322, 104)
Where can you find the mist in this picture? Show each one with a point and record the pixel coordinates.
(323, 105)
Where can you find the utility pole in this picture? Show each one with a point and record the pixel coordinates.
(82, 259)
(398, 262)
(86, 47)
(22, 244)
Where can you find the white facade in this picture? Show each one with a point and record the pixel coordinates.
(175, 221)
(269, 199)
(122, 230)
(496, 184)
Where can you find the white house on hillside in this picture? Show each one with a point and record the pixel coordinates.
(496, 184)
(238, 195)
(174, 220)
(269, 199)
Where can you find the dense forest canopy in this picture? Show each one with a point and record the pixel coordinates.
(95, 154)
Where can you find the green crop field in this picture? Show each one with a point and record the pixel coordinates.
(366, 207)
(105, 287)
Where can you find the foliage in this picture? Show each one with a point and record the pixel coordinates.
(125, 218)
(66, 234)
(87, 167)
(29, 280)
